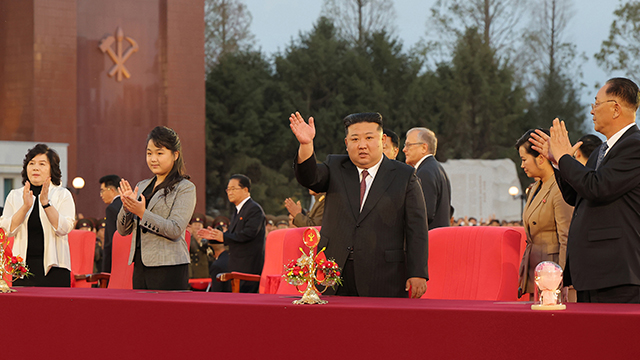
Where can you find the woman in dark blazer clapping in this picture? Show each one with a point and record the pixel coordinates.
(157, 212)
(546, 216)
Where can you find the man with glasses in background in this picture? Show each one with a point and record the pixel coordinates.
(246, 234)
(109, 185)
(420, 150)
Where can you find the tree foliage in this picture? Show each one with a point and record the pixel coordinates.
(554, 66)
(357, 19)
(621, 50)
(226, 29)
(495, 20)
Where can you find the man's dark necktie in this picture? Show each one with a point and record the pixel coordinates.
(603, 150)
(363, 186)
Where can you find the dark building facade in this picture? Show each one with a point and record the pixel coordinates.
(99, 75)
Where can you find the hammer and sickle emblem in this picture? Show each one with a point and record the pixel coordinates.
(118, 57)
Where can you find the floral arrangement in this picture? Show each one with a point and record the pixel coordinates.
(297, 271)
(312, 269)
(328, 273)
(14, 266)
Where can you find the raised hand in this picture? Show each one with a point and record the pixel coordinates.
(44, 193)
(559, 140)
(125, 190)
(27, 195)
(540, 143)
(304, 132)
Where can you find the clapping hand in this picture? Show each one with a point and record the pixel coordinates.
(211, 234)
(293, 207)
(44, 193)
(556, 145)
(27, 195)
(129, 200)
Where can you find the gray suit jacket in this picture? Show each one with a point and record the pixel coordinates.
(163, 225)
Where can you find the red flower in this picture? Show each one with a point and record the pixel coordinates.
(20, 259)
(14, 260)
(22, 269)
(337, 273)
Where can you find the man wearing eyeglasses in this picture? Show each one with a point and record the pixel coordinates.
(420, 150)
(246, 233)
(603, 246)
(109, 185)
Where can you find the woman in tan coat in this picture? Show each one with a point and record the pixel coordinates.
(546, 216)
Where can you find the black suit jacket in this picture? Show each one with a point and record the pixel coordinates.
(437, 192)
(389, 237)
(245, 239)
(603, 247)
(111, 222)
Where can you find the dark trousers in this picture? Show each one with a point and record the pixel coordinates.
(348, 287)
(622, 294)
(170, 277)
(57, 277)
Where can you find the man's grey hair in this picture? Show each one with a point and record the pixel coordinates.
(426, 136)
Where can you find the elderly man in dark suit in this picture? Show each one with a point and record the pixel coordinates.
(374, 221)
(245, 236)
(603, 250)
(420, 151)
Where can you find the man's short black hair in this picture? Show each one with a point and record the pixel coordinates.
(243, 180)
(110, 180)
(624, 89)
(395, 140)
(589, 143)
(372, 117)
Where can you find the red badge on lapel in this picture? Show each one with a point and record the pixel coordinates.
(240, 217)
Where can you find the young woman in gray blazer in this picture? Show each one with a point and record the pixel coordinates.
(157, 212)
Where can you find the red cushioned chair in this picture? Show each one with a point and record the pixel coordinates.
(121, 273)
(523, 246)
(473, 263)
(278, 245)
(82, 247)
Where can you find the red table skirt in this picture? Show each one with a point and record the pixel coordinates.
(110, 324)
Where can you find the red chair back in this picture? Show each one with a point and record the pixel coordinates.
(291, 251)
(82, 247)
(121, 273)
(187, 239)
(473, 263)
(269, 279)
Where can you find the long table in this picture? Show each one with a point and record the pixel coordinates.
(76, 323)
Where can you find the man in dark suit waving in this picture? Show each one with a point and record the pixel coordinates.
(420, 151)
(603, 247)
(374, 221)
(245, 236)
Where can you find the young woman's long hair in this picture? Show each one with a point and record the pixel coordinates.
(163, 136)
